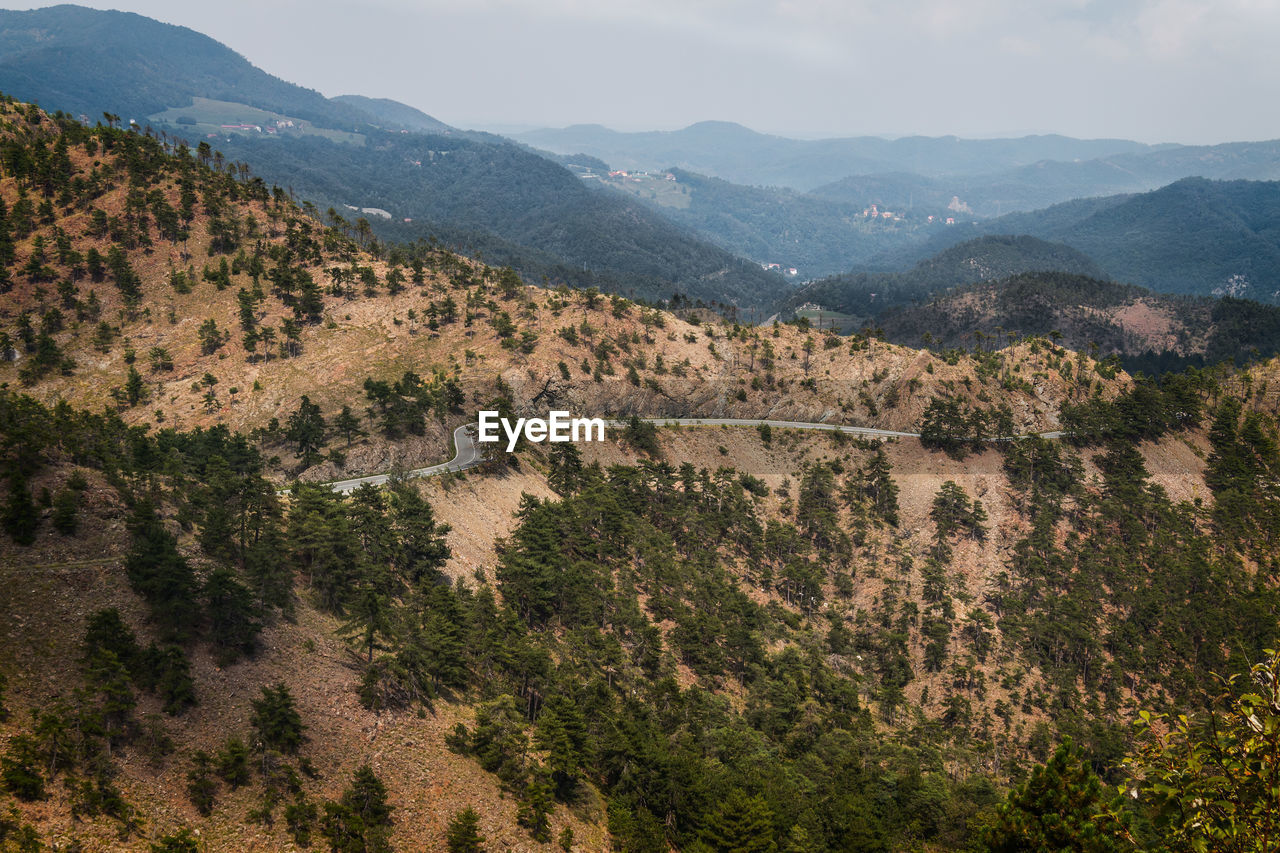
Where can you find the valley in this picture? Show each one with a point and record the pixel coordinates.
(971, 545)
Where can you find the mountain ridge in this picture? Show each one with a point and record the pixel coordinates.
(536, 213)
(731, 151)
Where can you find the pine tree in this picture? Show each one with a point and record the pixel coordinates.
(233, 762)
(276, 720)
(267, 569)
(20, 769)
(306, 428)
(463, 834)
(66, 508)
(135, 389)
(881, 488)
(347, 424)
(565, 469)
(741, 824)
(21, 516)
(535, 809)
(422, 550)
(233, 625)
(160, 575)
(370, 617)
(202, 788)
(361, 821)
(1061, 807)
(561, 733)
(181, 841)
(111, 699)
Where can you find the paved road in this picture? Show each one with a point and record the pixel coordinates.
(468, 455)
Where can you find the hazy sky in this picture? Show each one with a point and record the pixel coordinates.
(1154, 70)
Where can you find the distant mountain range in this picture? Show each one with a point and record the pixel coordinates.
(985, 177)
(474, 190)
(708, 226)
(1194, 236)
(1050, 182)
(738, 154)
(864, 296)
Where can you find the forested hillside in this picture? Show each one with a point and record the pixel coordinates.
(471, 191)
(1149, 331)
(447, 185)
(814, 235)
(393, 114)
(696, 639)
(867, 295)
(84, 61)
(1194, 236)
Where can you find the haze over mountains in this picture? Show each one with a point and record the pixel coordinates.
(739, 154)
(714, 207)
(1193, 236)
(475, 190)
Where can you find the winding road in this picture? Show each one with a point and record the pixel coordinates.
(468, 455)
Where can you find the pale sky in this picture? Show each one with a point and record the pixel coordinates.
(1154, 70)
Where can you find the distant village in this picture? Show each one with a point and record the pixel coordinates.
(587, 173)
(874, 212)
(278, 126)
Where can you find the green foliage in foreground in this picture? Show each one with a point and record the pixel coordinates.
(1206, 783)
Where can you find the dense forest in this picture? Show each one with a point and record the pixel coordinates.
(993, 288)
(1165, 332)
(869, 294)
(815, 235)
(1194, 236)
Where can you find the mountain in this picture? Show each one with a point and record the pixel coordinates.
(393, 114)
(84, 61)
(892, 190)
(735, 153)
(1194, 236)
(830, 229)
(472, 188)
(705, 637)
(1049, 182)
(470, 191)
(1151, 332)
(1023, 286)
(813, 235)
(865, 296)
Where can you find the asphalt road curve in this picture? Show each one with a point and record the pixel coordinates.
(468, 455)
